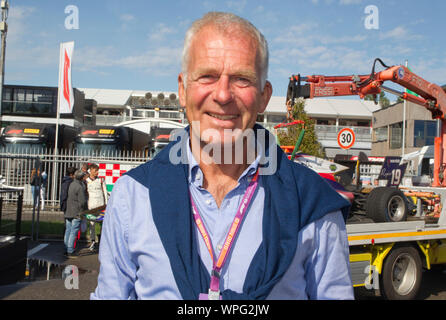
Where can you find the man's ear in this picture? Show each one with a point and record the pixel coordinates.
(181, 90)
(266, 96)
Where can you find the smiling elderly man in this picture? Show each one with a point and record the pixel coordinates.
(203, 228)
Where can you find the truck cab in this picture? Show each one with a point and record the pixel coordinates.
(102, 140)
(34, 137)
(159, 139)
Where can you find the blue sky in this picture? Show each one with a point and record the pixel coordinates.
(136, 44)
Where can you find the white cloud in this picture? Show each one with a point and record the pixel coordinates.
(304, 35)
(433, 70)
(237, 6)
(305, 47)
(159, 61)
(91, 58)
(417, 22)
(297, 35)
(326, 1)
(126, 20)
(17, 22)
(396, 50)
(160, 32)
(399, 33)
(127, 17)
(348, 2)
(20, 12)
(345, 39)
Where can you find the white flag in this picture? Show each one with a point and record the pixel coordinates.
(66, 96)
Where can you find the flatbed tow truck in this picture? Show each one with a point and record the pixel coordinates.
(389, 257)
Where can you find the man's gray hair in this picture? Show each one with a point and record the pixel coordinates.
(224, 22)
(79, 174)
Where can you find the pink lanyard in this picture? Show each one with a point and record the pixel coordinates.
(214, 290)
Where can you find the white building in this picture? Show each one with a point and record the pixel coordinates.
(331, 115)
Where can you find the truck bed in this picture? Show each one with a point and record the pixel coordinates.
(375, 233)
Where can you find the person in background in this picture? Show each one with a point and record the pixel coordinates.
(35, 185)
(85, 167)
(76, 203)
(43, 188)
(97, 198)
(66, 181)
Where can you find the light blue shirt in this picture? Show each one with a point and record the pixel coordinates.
(134, 264)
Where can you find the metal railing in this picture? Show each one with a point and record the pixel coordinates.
(109, 120)
(330, 132)
(16, 169)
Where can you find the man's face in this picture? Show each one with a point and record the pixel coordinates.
(223, 83)
(94, 172)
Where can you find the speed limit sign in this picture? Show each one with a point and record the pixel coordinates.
(346, 138)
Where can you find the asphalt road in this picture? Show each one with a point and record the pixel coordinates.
(433, 288)
(56, 288)
(433, 285)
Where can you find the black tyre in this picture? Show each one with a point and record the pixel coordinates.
(386, 204)
(401, 275)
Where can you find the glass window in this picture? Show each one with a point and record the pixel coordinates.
(150, 114)
(43, 96)
(29, 95)
(275, 118)
(363, 124)
(19, 94)
(7, 101)
(171, 115)
(6, 107)
(29, 101)
(7, 94)
(380, 134)
(396, 135)
(424, 133)
(139, 113)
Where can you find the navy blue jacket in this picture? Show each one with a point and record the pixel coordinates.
(66, 181)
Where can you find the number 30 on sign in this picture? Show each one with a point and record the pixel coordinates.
(346, 138)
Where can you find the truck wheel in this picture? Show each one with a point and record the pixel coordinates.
(386, 204)
(401, 275)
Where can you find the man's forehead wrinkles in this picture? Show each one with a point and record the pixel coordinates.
(233, 64)
(231, 71)
(217, 43)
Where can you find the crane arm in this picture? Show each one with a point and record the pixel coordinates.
(430, 96)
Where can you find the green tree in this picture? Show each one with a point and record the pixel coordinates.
(289, 135)
(382, 99)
